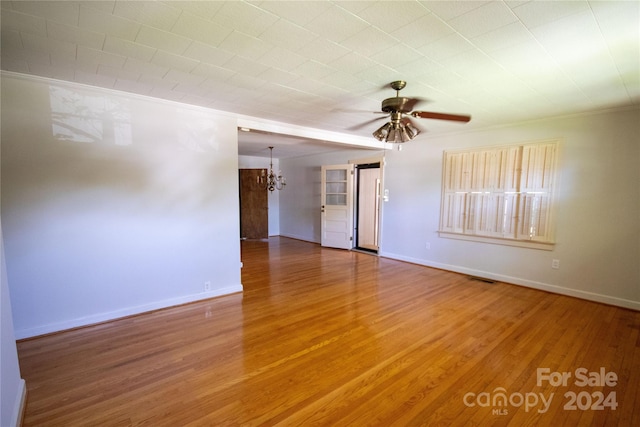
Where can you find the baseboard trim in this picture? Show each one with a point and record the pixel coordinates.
(125, 312)
(576, 293)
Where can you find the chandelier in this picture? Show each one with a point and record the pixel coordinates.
(274, 182)
(397, 130)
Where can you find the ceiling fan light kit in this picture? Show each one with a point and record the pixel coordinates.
(400, 128)
(396, 130)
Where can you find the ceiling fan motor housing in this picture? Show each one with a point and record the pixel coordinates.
(397, 104)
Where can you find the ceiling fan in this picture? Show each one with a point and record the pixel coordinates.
(401, 128)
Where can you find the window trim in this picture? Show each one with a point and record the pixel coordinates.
(520, 243)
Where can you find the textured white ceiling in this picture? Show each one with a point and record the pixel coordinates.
(327, 64)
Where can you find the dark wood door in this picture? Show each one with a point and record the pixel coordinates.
(254, 205)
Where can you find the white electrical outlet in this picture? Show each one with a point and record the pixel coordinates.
(428, 245)
(207, 286)
(555, 263)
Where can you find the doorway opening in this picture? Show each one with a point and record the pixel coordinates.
(367, 207)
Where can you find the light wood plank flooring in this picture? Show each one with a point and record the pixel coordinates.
(339, 338)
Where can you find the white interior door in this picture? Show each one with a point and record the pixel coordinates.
(337, 206)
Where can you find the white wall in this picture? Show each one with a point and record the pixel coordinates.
(252, 162)
(110, 205)
(598, 212)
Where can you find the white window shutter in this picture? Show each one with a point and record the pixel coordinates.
(500, 192)
(453, 212)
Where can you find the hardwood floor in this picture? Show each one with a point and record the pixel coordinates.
(338, 338)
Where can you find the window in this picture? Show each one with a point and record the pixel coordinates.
(500, 194)
(336, 187)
